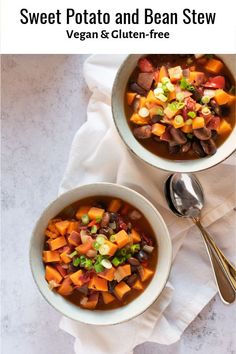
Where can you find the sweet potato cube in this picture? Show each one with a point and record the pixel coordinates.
(114, 205)
(65, 258)
(73, 226)
(97, 283)
(135, 236)
(214, 65)
(175, 73)
(158, 129)
(56, 243)
(95, 213)
(136, 119)
(52, 274)
(163, 73)
(122, 238)
(121, 289)
(224, 128)
(222, 97)
(91, 302)
(138, 285)
(62, 226)
(198, 123)
(130, 97)
(197, 77)
(81, 211)
(107, 297)
(146, 274)
(108, 274)
(51, 256)
(51, 234)
(122, 272)
(187, 129)
(53, 229)
(75, 278)
(66, 287)
(112, 248)
(170, 111)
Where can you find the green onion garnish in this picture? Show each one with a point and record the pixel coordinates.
(76, 262)
(206, 99)
(115, 261)
(112, 238)
(94, 229)
(98, 267)
(73, 254)
(123, 252)
(85, 219)
(134, 248)
(96, 245)
(191, 114)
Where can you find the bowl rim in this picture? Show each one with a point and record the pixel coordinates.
(168, 260)
(158, 166)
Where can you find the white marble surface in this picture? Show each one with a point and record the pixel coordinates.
(43, 104)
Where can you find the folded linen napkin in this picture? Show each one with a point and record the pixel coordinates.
(98, 154)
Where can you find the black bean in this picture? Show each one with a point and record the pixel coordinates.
(113, 217)
(178, 136)
(134, 269)
(105, 231)
(202, 133)
(208, 146)
(186, 147)
(131, 279)
(105, 219)
(133, 261)
(217, 109)
(136, 103)
(142, 256)
(143, 132)
(197, 148)
(214, 134)
(111, 285)
(156, 119)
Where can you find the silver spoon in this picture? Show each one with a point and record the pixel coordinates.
(185, 198)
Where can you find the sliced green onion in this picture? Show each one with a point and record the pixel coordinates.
(112, 238)
(158, 90)
(73, 254)
(94, 229)
(165, 80)
(189, 136)
(159, 84)
(98, 267)
(206, 99)
(192, 114)
(106, 263)
(104, 249)
(98, 219)
(76, 262)
(100, 240)
(96, 245)
(88, 264)
(180, 96)
(206, 111)
(189, 122)
(179, 119)
(162, 97)
(116, 261)
(85, 219)
(134, 248)
(123, 252)
(129, 255)
(170, 87)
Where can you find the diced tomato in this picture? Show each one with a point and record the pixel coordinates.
(92, 223)
(145, 66)
(85, 247)
(61, 270)
(217, 82)
(214, 123)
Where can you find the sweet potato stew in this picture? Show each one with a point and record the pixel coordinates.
(99, 253)
(181, 106)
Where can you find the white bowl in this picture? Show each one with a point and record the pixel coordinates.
(118, 110)
(153, 290)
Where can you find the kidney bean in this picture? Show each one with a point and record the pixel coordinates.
(197, 148)
(156, 119)
(173, 149)
(202, 133)
(131, 279)
(105, 219)
(143, 132)
(142, 256)
(135, 104)
(208, 146)
(133, 261)
(186, 147)
(136, 88)
(111, 285)
(178, 136)
(215, 107)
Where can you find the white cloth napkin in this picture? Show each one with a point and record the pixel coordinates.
(98, 154)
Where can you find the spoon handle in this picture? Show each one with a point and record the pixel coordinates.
(224, 271)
